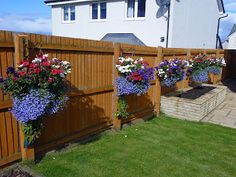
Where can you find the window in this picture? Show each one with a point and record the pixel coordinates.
(69, 13)
(136, 8)
(103, 10)
(141, 8)
(94, 11)
(99, 11)
(130, 8)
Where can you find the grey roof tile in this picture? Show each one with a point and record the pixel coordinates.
(127, 38)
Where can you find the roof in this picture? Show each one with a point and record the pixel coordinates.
(220, 3)
(127, 38)
(221, 6)
(232, 30)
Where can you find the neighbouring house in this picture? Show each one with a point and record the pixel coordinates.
(167, 23)
(232, 38)
(225, 44)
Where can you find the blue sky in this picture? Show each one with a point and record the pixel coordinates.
(34, 16)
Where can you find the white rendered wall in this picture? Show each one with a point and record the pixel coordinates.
(193, 23)
(232, 41)
(148, 30)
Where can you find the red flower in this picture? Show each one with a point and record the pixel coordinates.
(26, 63)
(50, 80)
(59, 71)
(37, 70)
(146, 63)
(32, 65)
(136, 77)
(22, 73)
(54, 71)
(15, 79)
(46, 64)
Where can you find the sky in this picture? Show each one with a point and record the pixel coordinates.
(34, 16)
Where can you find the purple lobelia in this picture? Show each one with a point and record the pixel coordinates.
(200, 76)
(126, 87)
(215, 70)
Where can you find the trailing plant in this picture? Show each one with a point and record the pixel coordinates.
(134, 78)
(38, 89)
(172, 71)
(122, 108)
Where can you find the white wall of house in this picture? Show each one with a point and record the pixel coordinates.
(193, 23)
(149, 30)
(232, 41)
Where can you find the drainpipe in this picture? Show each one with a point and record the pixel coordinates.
(218, 27)
(168, 27)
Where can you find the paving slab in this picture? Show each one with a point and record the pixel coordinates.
(225, 113)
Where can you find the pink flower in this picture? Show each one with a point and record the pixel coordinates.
(46, 64)
(50, 80)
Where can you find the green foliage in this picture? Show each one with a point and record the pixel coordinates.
(32, 131)
(121, 112)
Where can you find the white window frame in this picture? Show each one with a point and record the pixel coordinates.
(135, 11)
(69, 12)
(99, 12)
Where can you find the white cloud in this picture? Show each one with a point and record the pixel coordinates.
(25, 23)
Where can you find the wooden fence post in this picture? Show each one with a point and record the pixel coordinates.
(188, 54)
(116, 121)
(21, 53)
(158, 59)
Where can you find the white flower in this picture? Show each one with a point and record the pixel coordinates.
(69, 71)
(36, 60)
(65, 63)
(21, 66)
(62, 75)
(129, 59)
(121, 59)
(45, 56)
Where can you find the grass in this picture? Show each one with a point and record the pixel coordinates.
(162, 147)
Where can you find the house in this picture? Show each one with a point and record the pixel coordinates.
(167, 23)
(232, 38)
(225, 44)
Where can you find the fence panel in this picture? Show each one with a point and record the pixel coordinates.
(141, 106)
(90, 107)
(9, 134)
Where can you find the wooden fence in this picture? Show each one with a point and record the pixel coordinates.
(93, 99)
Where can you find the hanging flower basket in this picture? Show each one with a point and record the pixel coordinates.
(215, 69)
(170, 72)
(134, 78)
(38, 89)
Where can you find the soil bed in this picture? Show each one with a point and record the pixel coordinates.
(196, 92)
(15, 173)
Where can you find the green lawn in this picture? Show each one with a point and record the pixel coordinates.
(162, 147)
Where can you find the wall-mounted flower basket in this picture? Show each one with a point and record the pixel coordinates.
(38, 89)
(134, 78)
(172, 74)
